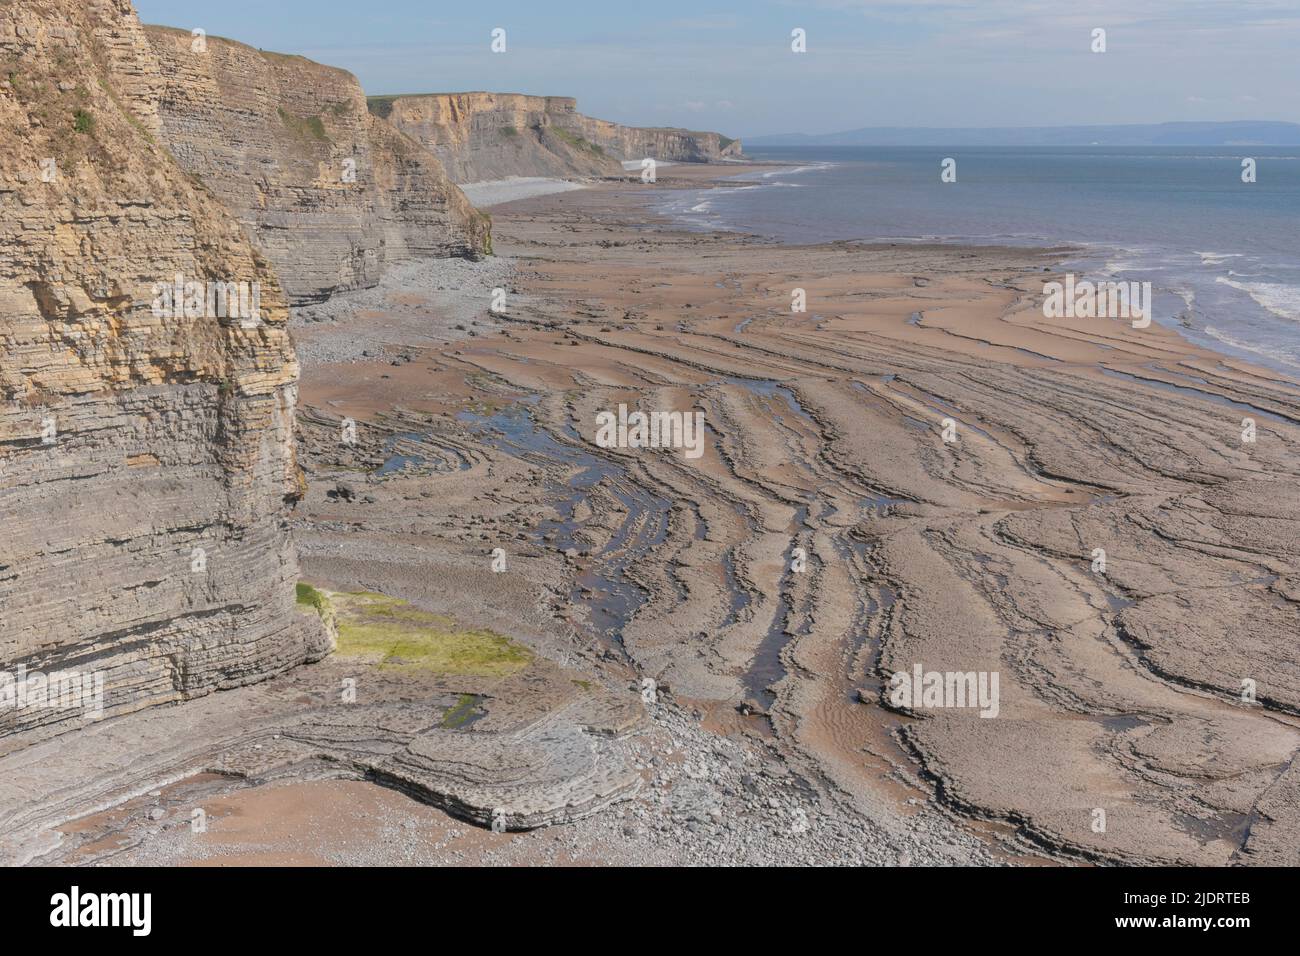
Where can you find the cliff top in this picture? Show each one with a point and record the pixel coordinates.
(411, 96)
(380, 104)
(347, 75)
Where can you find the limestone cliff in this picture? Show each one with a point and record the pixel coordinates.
(662, 143)
(329, 192)
(146, 451)
(480, 136)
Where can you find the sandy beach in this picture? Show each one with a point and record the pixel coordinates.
(767, 734)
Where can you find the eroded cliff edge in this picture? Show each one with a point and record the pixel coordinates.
(329, 192)
(482, 136)
(146, 454)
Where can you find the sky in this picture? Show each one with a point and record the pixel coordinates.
(729, 66)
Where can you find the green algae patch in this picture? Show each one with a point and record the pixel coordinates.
(462, 712)
(307, 596)
(392, 633)
(313, 602)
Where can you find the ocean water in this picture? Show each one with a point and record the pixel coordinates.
(1223, 256)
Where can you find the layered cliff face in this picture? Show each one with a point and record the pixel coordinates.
(483, 136)
(146, 442)
(329, 192)
(662, 143)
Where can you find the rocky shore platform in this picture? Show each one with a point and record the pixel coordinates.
(689, 696)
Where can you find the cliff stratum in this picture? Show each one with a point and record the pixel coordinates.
(146, 451)
(482, 136)
(330, 193)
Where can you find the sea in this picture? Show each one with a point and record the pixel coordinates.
(1223, 255)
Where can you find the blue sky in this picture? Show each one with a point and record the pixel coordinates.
(728, 66)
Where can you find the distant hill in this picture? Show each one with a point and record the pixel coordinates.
(1244, 133)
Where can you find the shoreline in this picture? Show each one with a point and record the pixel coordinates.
(1101, 259)
(768, 740)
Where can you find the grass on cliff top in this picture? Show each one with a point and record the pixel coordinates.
(188, 34)
(382, 104)
(390, 632)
